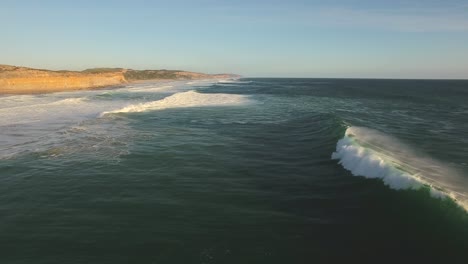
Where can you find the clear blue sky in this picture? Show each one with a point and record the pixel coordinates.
(295, 38)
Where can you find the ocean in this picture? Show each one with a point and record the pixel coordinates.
(237, 171)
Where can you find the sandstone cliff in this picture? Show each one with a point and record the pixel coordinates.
(26, 80)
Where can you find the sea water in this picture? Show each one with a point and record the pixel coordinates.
(237, 171)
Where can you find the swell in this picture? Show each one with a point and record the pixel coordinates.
(372, 154)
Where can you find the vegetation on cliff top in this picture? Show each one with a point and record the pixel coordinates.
(150, 74)
(103, 70)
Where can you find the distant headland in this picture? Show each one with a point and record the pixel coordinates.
(23, 80)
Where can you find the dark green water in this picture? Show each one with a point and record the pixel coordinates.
(236, 172)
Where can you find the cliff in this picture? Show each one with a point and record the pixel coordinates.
(26, 80)
(14, 80)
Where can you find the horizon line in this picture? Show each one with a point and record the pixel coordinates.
(256, 77)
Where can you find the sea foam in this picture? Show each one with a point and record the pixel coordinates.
(233, 82)
(185, 99)
(163, 88)
(372, 154)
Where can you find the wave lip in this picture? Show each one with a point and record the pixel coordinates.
(185, 99)
(372, 154)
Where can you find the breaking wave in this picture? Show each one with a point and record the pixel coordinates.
(185, 99)
(152, 89)
(78, 100)
(372, 154)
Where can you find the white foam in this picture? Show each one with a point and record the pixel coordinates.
(164, 88)
(28, 123)
(185, 99)
(72, 101)
(372, 154)
(227, 80)
(66, 101)
(233, 81)
(39, 110)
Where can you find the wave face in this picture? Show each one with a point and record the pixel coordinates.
(185, 99)
(372, 154)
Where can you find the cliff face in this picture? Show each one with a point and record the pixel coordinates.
(26, 80)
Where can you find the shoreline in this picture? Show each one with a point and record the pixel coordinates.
(35, 91)
(21, 80)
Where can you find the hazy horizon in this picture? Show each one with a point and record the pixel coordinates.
(339, 39)
(252, 77)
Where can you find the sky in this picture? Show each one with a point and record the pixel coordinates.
(255, 38)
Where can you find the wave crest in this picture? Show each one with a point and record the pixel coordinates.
(185, 99)
(372, 154)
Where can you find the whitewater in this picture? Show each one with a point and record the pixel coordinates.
(372, 154)
(34, 123)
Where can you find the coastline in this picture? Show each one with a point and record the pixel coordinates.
(52, 90)
(22, 80)
(32, 91)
